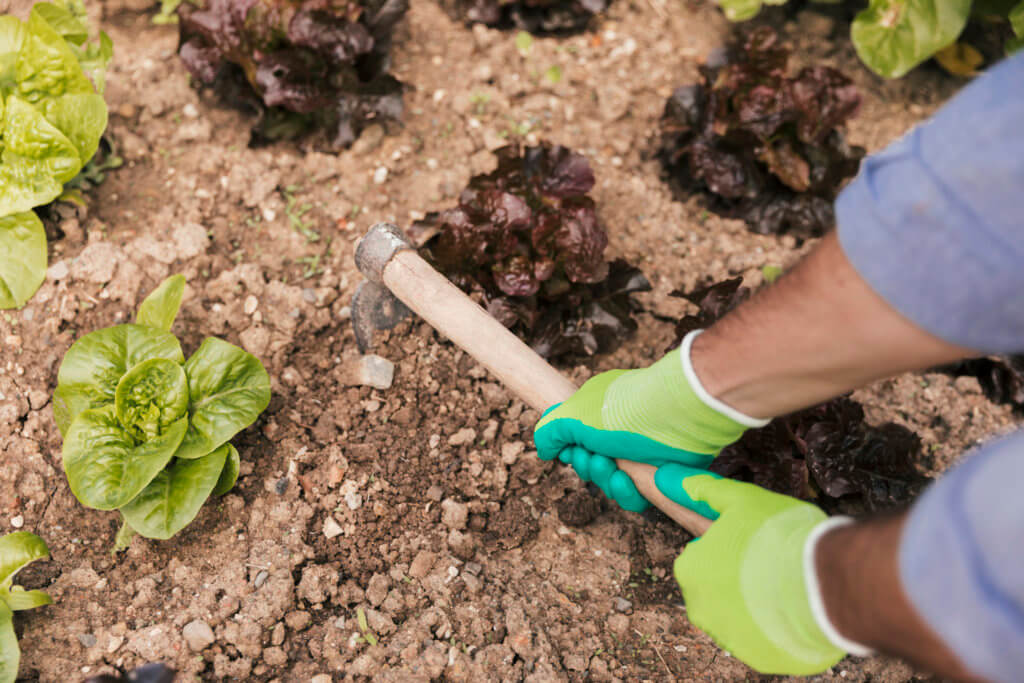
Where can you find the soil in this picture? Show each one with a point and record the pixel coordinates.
(469, 557)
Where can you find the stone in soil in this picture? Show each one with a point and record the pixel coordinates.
(331, 528)
(198, 635)
(454, 514)
(370, 370)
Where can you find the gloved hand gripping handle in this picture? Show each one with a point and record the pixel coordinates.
(385, 256)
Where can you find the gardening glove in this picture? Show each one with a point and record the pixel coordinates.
(750, 581)
(656, 415)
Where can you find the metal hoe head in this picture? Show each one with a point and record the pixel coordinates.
(374, 307)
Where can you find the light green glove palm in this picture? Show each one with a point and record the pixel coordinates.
(743, 580)
(656, 415)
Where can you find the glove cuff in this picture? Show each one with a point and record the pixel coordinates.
(814, 588)
(702, 393)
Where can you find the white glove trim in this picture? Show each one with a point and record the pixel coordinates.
(814, 588)
(702, 393)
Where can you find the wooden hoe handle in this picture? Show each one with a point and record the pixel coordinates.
(471, 328)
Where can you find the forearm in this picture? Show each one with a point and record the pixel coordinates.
(816, 333)
(858, 570)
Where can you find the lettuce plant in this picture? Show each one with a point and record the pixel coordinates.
(764, 146)
(16, 550)
(826, 453)
(300, 64)
(527, 238)
(147, 432)
(893, 36)
(535, 16)
(51, 120)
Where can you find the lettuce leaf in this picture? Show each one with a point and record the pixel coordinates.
(893, 36)
(22, 257)
(51, 121)
(763, 146)
(299, 64)
(527, 237)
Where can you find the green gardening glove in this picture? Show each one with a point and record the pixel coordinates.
(656, 415)
(745, 582)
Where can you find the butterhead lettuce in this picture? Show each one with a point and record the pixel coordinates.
(52, 115)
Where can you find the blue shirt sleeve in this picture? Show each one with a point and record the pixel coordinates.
(935, 223)
(961, 560)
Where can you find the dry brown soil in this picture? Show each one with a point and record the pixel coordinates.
(471, 559)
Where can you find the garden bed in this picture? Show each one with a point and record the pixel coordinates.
(422, 506)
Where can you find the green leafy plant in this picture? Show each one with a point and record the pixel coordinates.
(893, 36)
(51, 120)
(16, 551)
(93, 173)
(145, 431)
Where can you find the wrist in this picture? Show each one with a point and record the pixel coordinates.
(813, 587)
(857, 566)
(705, 397)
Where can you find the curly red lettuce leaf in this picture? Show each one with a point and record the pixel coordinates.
(299, 65)
(527, 239)
(826, 453)
(1001, 377)
(535, 16)
(763, 146)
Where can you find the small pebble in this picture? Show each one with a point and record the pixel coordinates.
(421, 564)
(190, 111)
(353, 500)
(510, 451)
(58, 271)
(251, 304)
(370, 370)
(198, 634)
(261, 578)
(331, 528)
(87, 639)
(380, 175)
(462, 437)
(623, 605)
(454, 514)
(18, 521)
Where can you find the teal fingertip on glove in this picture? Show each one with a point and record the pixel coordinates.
(656, 415)
(669, 480)
(603, 472)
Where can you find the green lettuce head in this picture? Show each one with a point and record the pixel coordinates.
(51, 118)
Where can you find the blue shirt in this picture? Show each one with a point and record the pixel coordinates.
(935, 225)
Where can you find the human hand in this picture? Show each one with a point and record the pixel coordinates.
(656, 415)
(745, 581)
